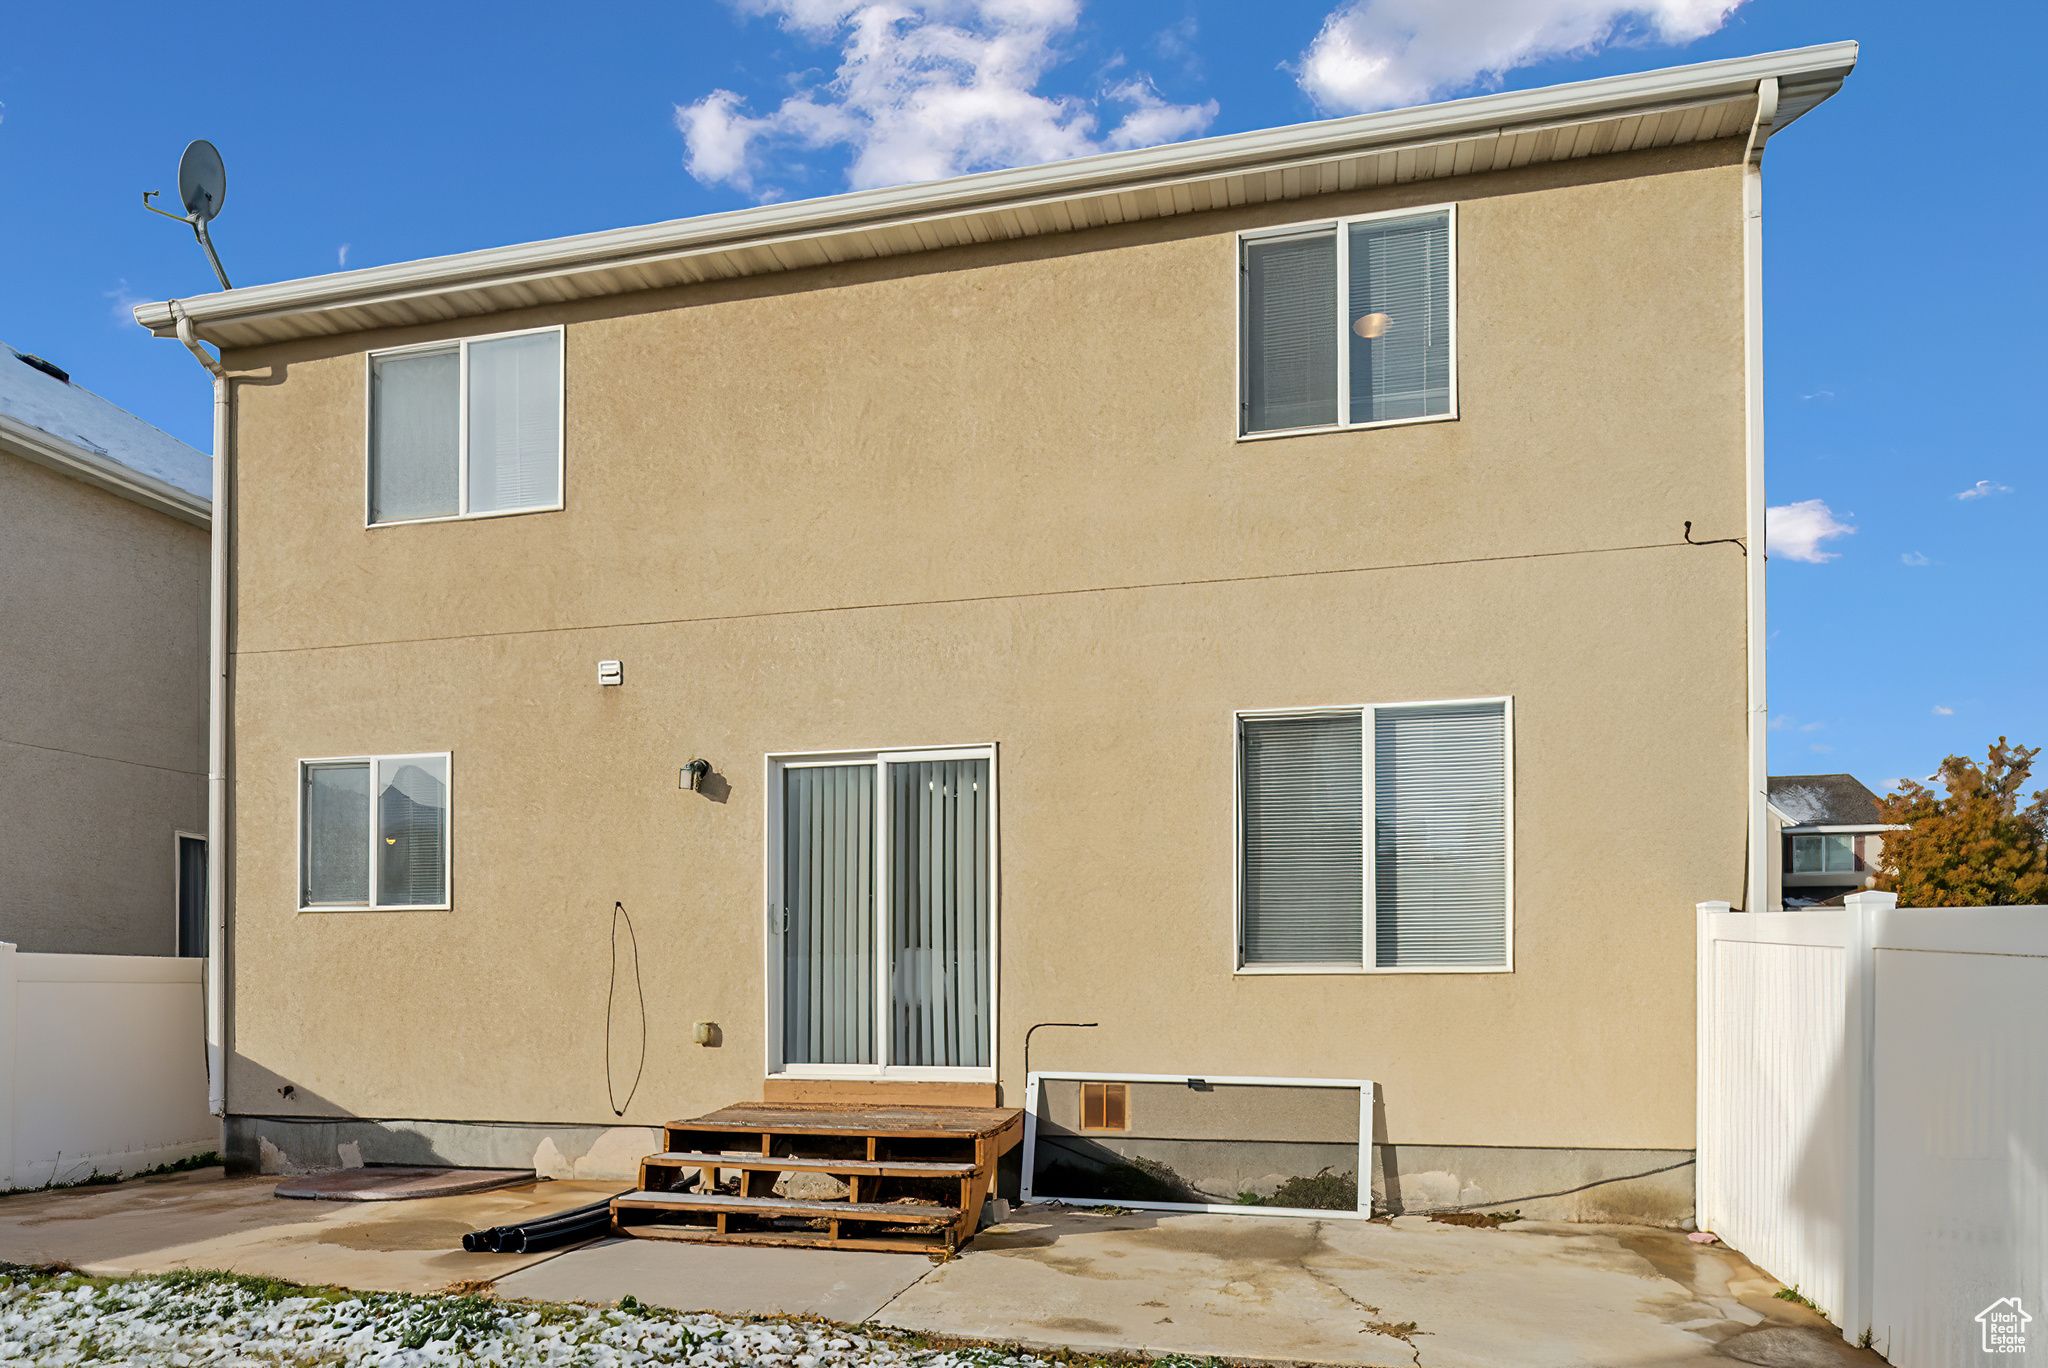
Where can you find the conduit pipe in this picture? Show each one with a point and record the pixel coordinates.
(216, 729)
(552, 1232)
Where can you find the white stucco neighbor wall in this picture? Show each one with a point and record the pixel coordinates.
(102, 1065)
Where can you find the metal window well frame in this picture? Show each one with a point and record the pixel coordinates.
(1364, 1087)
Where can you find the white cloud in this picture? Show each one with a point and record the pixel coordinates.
(341, 257)
(925, 89)
(125, 300)
(1819, 394)
(1382, 54)
(1795, 531)
(1984, 489)
(1815, 726)
(1913, 558)
(1821, 750)
(1940, 711)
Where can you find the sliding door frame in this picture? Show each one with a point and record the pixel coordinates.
(774, 863)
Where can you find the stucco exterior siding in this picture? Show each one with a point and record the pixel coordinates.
(993, 495)
(102, 714)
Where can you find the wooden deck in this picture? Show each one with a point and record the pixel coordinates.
(915, 1177)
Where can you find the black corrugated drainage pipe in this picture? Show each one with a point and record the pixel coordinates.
(552, 1232)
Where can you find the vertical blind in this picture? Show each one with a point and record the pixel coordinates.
(939, 913)
(828, 967)
(515, 397)
(1440, 840)
(1290, 325)
(412, 821)
(1304, 853)
(337, 837)
(415, 421)
(1392, 333)
(1400, 277)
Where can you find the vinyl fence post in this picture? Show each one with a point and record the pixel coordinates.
(9, 1029)
(1866, 911)
(1706, 1157)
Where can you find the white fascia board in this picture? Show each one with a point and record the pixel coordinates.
(1852, 829)
(1819, 69)
(67, 458)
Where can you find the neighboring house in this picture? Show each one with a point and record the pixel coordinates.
(103, 552)
(1826, 837)
(1192, 590)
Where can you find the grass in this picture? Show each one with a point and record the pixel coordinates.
(98, 1179)
(1792, 1294)
(1321, 1191)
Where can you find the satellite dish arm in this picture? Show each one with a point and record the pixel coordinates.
(198, 227)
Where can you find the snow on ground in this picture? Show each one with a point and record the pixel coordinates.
(217, 1319)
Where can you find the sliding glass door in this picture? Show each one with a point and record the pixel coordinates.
(882, 915)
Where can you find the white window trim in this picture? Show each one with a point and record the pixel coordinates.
(1821, 835)
(1369, 945)
(462, 346)
(178, 838)
(1365, 1142)
(299, 839)
(1343, 326)
(771, 937)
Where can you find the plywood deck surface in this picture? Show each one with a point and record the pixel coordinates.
(802, 1118)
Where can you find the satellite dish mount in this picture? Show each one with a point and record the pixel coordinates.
(202, 189)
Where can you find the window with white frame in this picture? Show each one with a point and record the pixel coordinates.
(1347, 323)
(373, 832)
(1375, 838)
(466, 429)
(1827, 854)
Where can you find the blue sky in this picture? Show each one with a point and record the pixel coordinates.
(1905, 283)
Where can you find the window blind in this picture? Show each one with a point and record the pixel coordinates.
(1290, 322)
(1440, 843)
(1400, 279)
(1303, 872)
(412, 819)
(515, 390)
(828, 966)
(416, 410)
(337, 850)
(939, 913)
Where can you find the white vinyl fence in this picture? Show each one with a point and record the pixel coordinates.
(102, 1066)
(1873, 1116)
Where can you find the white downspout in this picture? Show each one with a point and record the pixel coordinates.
(216, 732)
(1757, 896)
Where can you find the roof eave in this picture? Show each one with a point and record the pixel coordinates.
(68, 458)
(484, 281)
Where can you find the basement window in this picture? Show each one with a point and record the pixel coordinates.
(373, 833)
(466, 429)
(1105, 1106)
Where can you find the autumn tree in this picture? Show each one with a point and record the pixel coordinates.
(1976, 847)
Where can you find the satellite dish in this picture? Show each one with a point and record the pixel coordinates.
(202, 180)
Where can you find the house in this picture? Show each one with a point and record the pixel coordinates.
(1826, 834)
(103, 549)
(1058, 573)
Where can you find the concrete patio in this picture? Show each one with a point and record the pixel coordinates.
(1413, 1292)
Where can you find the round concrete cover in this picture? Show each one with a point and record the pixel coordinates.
(399, 1182)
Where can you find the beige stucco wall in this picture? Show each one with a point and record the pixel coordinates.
(102, 713)
(992, 495)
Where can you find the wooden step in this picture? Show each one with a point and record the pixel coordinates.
(791, 1118)
(900, 1242)
(888, 1213)
(838, 1168)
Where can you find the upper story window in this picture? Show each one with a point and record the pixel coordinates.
(466, 429)
(1828, 854)
(1376, 838)
(1349, 323)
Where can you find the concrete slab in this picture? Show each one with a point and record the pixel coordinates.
(206, 1220)
(1413, 1292)
(838, 1284)
(398, 1182)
